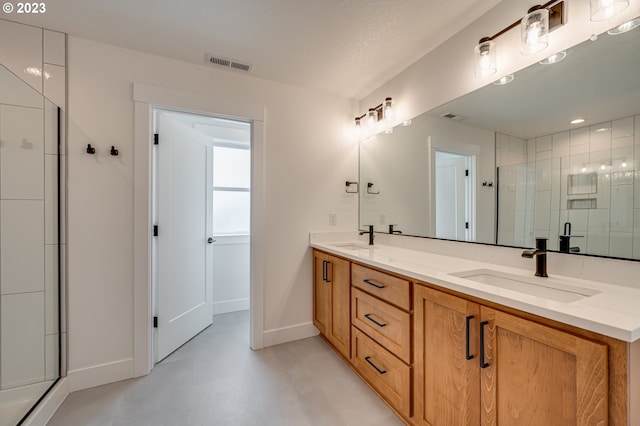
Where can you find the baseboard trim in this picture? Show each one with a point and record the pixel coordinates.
(97, 375)
(48, 406)
(289, 334)
(231, 306)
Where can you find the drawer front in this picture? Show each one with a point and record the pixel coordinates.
(386, 324)
(390, 376)
(387, 287)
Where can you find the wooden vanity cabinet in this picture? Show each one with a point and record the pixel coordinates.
(381, 334)
(478, 365)
(331, 300)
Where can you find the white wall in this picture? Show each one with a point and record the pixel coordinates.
(308, 158)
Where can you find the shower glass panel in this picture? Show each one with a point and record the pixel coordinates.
(29, 249)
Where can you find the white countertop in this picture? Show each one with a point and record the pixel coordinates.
(614, 311)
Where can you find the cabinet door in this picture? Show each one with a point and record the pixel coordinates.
(537, 375)
(321, 293)
(339, 333)
(447, 372)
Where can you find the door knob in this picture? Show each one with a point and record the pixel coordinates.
(211, 240)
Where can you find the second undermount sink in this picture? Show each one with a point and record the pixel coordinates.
(353, 246)
(547, 288)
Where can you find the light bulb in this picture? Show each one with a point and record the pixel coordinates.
(623, 28)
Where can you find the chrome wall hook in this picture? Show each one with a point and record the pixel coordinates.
(90, 149)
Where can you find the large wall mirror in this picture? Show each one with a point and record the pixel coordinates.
(508, 163)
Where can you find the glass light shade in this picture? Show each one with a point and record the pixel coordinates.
(387, 110)
(504, 80)
(535, 31)
(601, 10)
(372, 118)
(486, 59)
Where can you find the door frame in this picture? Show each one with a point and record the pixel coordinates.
(146, 98)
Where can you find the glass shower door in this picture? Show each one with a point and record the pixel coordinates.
(29, 247)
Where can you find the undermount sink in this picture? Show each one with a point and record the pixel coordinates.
(547, 288)
(353, 246)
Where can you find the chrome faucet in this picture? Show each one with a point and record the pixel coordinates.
(541, 256)
(370, 232)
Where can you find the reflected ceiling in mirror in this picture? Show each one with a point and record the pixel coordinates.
(533, 149)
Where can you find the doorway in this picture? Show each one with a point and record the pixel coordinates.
(454, 196)
(201, 215)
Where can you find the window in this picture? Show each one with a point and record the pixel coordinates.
(231, 189)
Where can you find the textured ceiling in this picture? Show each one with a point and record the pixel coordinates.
(346, 47)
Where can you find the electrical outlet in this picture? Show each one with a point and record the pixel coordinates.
(383, 218)
(333, 219)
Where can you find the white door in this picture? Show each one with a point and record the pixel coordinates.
(185, 255)
(451, 196)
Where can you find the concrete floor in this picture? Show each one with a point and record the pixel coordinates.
(215, 379)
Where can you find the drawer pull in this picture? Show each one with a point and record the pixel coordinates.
(482, 363)
(468, 319)
(379, 324)
(368, 359)
(373, 284)
(324, 270)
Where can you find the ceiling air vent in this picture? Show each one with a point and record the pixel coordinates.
(228, 63)
(453, 116)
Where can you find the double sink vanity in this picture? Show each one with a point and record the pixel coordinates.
(453, 340)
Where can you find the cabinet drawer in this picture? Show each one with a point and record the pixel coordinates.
(392, 289)
(390, 376)
(386, 324)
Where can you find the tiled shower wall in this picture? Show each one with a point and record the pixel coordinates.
(533, 188)
(29, 243)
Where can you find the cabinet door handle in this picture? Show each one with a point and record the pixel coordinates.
(468, 319)
(368, 359)
(324, 270)
(373, 284)
(379, 324)
(482, 363)
(328, 280)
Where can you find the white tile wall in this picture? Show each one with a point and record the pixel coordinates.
(21, 246)
(23, 55)
(600, 137)
(54, 48)
(51, 370)
(21, 153)
(622, 127)
(621, 244)
(622, 208)
(51, 288)
(51, 199)
(14, 91)
(22, 342)
(579, 141)
(561, 146)
(54, 84)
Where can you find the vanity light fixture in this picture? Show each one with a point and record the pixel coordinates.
(601, 10)
(578, 121)
(504, 80)
(383, 112)
(627, 26)
(535, 28)
(554, 59)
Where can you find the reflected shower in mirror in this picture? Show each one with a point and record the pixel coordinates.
(29, 249)
(534, 171)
